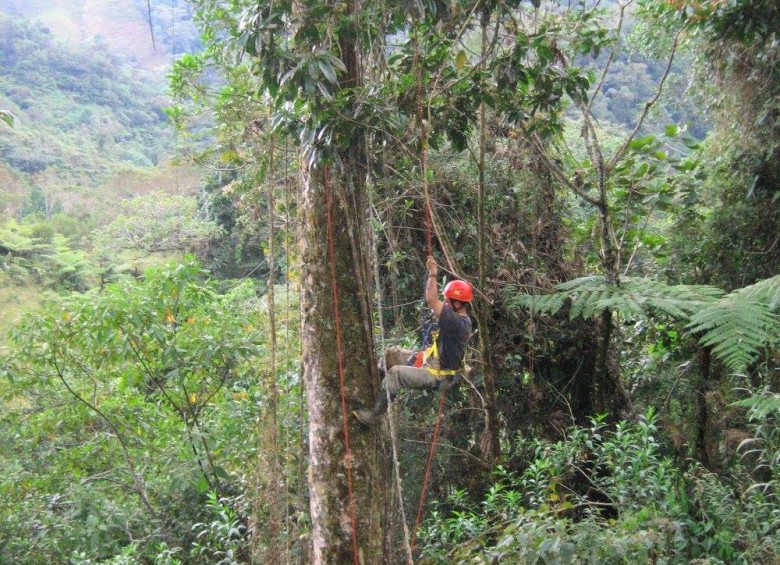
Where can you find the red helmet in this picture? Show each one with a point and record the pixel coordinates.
(458, 290)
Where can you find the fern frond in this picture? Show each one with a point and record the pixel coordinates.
(741, 324)
(634, 297)
(677, 301)
(766, 291)
(594, 281)
(548, 303)
(761, 405)
(585, 303)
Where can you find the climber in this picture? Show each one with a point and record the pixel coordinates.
(443, 361)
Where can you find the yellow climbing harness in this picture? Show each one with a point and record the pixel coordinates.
(433, 353)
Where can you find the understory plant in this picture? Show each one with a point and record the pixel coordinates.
(122, 410)
(604, 494)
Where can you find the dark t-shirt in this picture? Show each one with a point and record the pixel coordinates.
(454, 333)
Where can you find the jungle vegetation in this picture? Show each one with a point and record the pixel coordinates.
(183, 344)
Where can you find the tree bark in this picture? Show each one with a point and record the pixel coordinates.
(332, 506)
(339, 368)
(702, 413)
(491, 443)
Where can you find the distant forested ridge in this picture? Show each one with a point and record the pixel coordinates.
(78, 109)
(86, 130)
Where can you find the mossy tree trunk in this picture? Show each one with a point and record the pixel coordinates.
(702, 424)
(331, 504)
(345, 482)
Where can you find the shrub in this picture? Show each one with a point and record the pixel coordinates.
(121, 415)
(605, 495)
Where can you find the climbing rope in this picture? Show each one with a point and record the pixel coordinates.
(429, 240)
(340, 349)
(427, 478)
(390, 418)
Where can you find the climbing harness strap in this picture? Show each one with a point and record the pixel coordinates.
(433, 353)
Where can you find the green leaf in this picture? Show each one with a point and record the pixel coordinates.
(460, 60)
(221, 473)
(7, 117)
(328, 71)
(642, 142)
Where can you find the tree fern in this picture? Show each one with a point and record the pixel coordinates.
(766, 291)
(738, 326)
(761, 405)
(17, 240)
(634, 297)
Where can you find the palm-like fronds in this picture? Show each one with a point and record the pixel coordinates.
(741, 324)
(761, 405)
(590, 296)
(736, 326)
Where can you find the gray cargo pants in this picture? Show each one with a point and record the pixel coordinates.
(398, 375)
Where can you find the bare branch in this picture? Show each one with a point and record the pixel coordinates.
(558, 172)
(610, 60)
(649, 104)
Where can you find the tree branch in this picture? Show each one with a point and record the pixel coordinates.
(649, 104)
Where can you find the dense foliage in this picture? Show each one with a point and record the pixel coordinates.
(604, 495)
(129, 405)
(604, 173)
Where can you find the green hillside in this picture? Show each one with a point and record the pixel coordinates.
(79, 112)
(89, 131)
(123, 25)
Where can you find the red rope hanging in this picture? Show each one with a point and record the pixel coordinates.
(429, 240)
(340, 349)
(427, 478)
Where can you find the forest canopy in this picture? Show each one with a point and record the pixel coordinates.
(603, 175)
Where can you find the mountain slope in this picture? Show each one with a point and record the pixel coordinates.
(122, 25)
(80, 112)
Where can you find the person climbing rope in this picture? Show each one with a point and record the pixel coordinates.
(443, 361)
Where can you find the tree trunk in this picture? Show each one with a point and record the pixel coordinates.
(491, 443)
(609, 393)
(702, 414)
(333, 507)
(339, 367)
(274, 490)
(395, 283)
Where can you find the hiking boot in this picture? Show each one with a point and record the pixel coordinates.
(366, 417)
(371, 417)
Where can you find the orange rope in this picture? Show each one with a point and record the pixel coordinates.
(340, 348)
(429, 239)
(427, 479)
